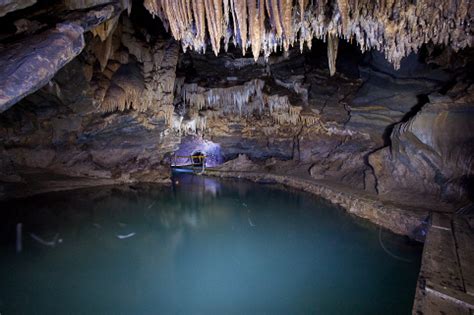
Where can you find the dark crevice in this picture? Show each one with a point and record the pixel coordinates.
(367, 163)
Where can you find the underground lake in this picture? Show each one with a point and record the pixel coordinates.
(201, 246)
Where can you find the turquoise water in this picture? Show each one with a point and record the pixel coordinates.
(204, 246)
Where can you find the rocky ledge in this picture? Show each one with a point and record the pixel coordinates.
(398, 218)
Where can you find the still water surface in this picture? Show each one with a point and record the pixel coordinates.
(204, 246)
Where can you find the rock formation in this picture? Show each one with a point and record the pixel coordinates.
(25, 70)
(103, 94)
(397, 28)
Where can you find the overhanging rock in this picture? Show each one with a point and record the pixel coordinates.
(28, 65)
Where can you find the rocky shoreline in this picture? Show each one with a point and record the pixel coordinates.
(398, 220)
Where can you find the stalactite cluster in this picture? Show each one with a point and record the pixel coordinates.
(242, 100)
(238, 99)
(396, 27)
(282, 111)
(145, 84)
(125, 89)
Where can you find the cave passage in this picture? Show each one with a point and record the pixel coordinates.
(117, 116)
(206, 246)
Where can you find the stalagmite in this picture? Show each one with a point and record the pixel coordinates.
(333, 43)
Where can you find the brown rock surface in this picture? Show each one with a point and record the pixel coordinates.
(431, 153)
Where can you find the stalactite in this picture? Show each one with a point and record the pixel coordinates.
(332, 46)
(199, 17)
(105, 29)
(103, 51)
(226, 23)
(240, 22)
(231, 100)
(166, 112)
(256, 25)
(273, 8)
(302, 4)
(343, 6)
(287, 8)
(395, 27)
(214, 23)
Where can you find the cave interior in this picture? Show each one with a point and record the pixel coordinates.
(372, 100)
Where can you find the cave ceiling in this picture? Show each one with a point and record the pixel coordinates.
(50, 34)
(395, 27)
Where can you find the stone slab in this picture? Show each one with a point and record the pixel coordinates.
(445, 282)
(464, 236)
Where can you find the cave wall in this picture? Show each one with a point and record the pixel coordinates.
(350, 130)
(105, 115)
(118, 111)
(433, 151)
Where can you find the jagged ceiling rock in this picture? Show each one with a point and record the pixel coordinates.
(29, 64)
(7, 6)
(396, 27)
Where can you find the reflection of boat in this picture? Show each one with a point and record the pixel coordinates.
(183, 169)
(202, 185)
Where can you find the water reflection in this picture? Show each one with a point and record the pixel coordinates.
(202, 246)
